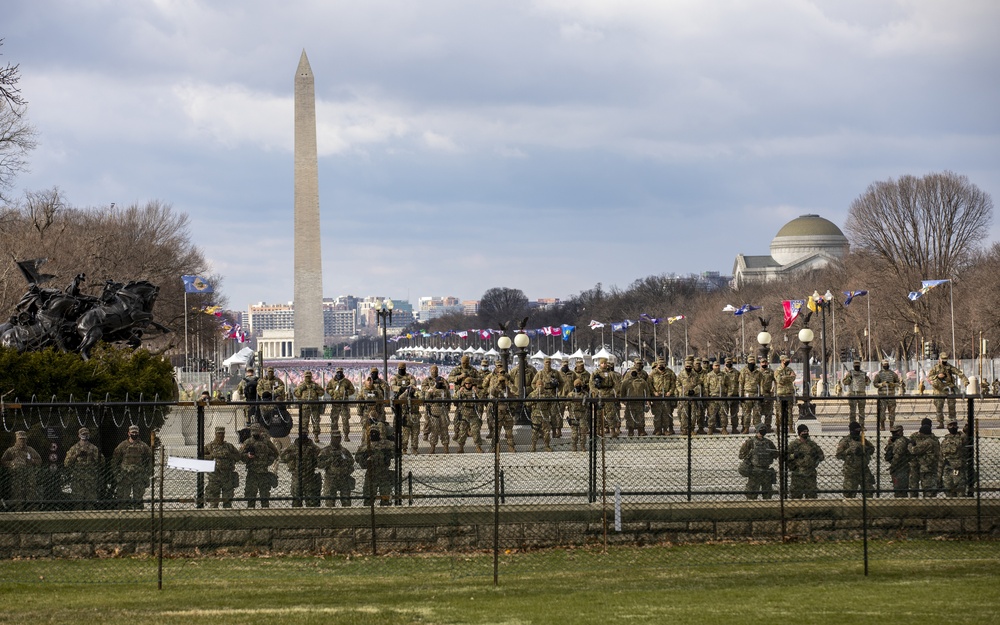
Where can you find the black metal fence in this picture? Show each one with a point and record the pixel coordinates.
(435, 476)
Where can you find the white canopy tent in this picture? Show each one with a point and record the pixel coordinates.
(603, 353)
(240, 358)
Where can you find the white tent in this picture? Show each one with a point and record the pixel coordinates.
(558, 355)
(240, 358)
(603, 353)
(479, 351)
(539, 355)
(578, 355)
(469, 350)
(492, 353)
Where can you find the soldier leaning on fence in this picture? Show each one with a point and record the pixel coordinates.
(804, 456)
(301, 459)
(925, 459)
(579, 422)
(337, 465)
(887, 384)
(468, 416)
(856, 382)
(500, 386)
(604, 384)
(132, 463)
(258, 452)
(944, 381)
(85, 465)
(897, 454)
(784, 392)
(430, 382)
(247, 388)
(310, 391)
(856, 454)
(340, 388)
(750, 392)
(756, 455)
(954, 445)
(21, 462)
(404, 390)
(438, 395)
(635, 386)
(714, 385)
(375, 458)
(222, 482)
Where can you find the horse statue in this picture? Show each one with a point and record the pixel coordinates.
(46, 327)
(122, 313)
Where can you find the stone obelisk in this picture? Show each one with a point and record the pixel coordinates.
(308, 263)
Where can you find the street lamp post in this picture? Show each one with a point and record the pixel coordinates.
(383, 313)
(504, 343)
(521, 342)
(764, 339)
(806, 411)
(824, 301)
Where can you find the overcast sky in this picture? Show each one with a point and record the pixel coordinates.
(546, 145)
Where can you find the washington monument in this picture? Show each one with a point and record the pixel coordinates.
(308, 262)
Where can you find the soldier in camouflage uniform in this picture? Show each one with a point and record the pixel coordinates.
(897, 454)
(486, 382)
(375, 458)
(247, 388)
(944, 380)
(688, 386)
(784, 391)
(714, 384)
(272, 384)
(925, 459)
(565, 388)
(465, 370)
(258, 452)
(340, 388)
(995, 388)
(580, 373)
(404, 389)
(551, 380)
(954, 446)
(804, 456)
(499, 386)
(223, 480)
(757, 454)
(21, 462)
(579, 423)
(767, 387)
(663, 383)
(750, 392)
(468, 416)
(373, 401)
(856, 382)
(633, 385)
(856, 454)
(132, 462)
(701, 368)
(731, 388)
(887, 384)
(85, 465)
(337, 465)
(301, 458)
(431, 382)
(541, 423)
(436, 390)
(310, 391)
(604, 384)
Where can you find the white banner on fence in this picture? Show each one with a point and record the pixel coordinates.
(190, 464)
(618, 508)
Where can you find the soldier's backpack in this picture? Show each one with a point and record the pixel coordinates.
(762, 454)
(746, 467)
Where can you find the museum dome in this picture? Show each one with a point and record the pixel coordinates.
(808, 235)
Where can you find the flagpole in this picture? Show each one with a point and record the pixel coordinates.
(951, 291)
(655, 355)
(670, 354)
(685, 337)
(743, 332)
(868, 299)
(835, 352)
(185, 328)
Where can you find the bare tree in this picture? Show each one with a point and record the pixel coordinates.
(502, 305)
(17, 136)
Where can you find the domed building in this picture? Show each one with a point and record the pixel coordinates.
(805, 243)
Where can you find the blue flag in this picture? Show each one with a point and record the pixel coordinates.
(567, 330)
(196, 284)
(851, 295)
(745, 308)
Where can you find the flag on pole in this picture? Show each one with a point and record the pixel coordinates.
(671, 320)
(555, 331)
(791, 308)
(618, 327)
(745, 308)
(925, 286)
(484, 334)
(729, 308)
(594, 325)
(851, 295)
(628, 323)
(196, 284)
(464, 334)
(567, 330)
(652, 320)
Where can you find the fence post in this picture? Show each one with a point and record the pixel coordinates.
(690, 429)
(783, 465)
(880, 418)
(864, 497)
(163, 463)
(496, 492)
(592, 451)
(972, 464)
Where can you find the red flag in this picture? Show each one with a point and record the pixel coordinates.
(791, 308)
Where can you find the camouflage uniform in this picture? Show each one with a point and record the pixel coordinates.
(766, 392)
(757, 454)
(310, 413)
(85, 465)
(784, 390)
(373, 397)
(258, 452)
(731, 388)
(750, 392)
(404, 390)
(271, 384)
(428, 383)
(566, 378)
(551, 380)
(887, 383)
(498, 387)
(248, 389)
(340, 388)
(21, 462)
(132, 462)
(663, 383)
(465, 370)
(925, 460)
(375, 458)
(302, 466)
(579, 423)
(468, 416)
(995, 388)
(954, 446)
(897, 454)
(337, 465)
(633, 385)
(223, 480)
(856, 382)
(804, 456)
(856, 457)
(688, 386)
(701, 368)
(541, 422)
(714, 387)
(943, 381)
(604, 384)
(437, 418)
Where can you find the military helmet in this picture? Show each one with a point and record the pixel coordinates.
(21, 434)
(133, 428)
(897, 429)
(220, 430)
(83, 431)
(308, 374)
(340, 369)
(785, 358)
(854, 426)
(689, 359)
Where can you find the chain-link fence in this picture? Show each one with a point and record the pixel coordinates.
(147, 488)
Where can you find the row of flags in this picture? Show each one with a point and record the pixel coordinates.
(198, 284)
(565, 331)
(622, 326)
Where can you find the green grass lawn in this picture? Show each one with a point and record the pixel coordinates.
(770, 584)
